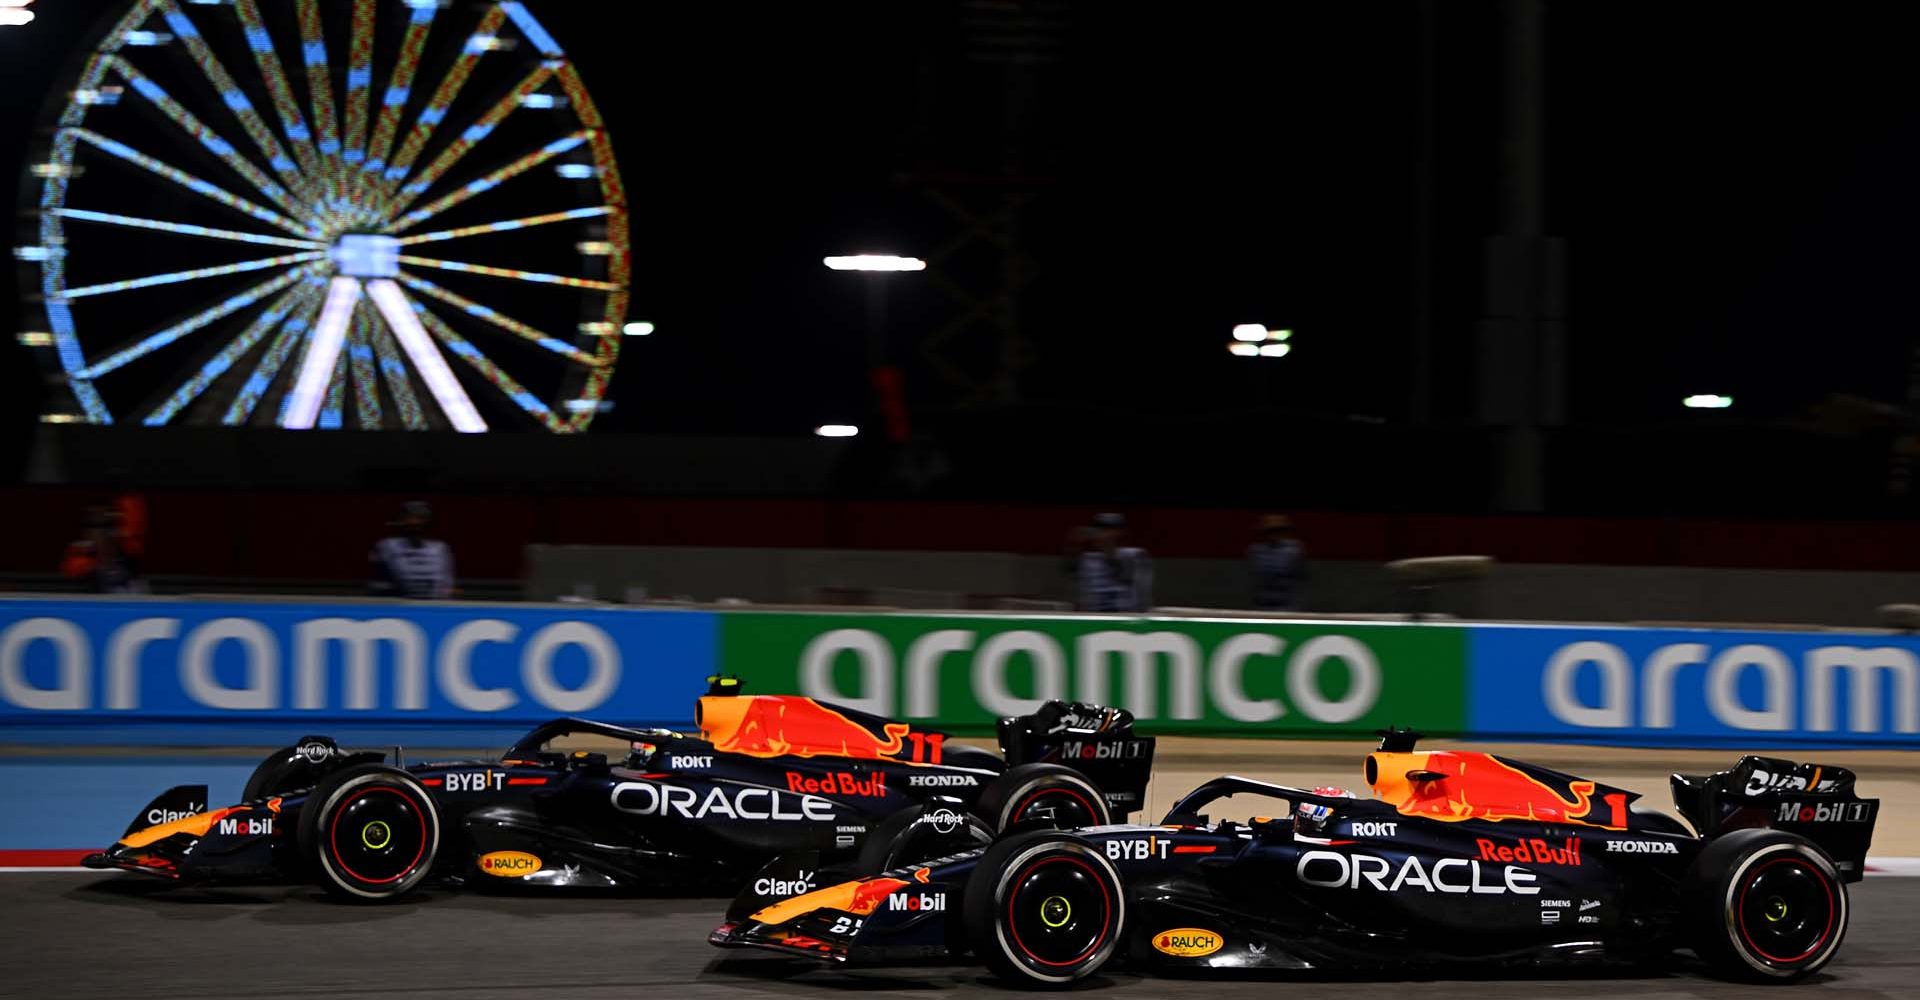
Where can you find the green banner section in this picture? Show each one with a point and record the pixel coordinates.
(1176, 675)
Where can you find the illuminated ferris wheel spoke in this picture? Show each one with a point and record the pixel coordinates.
(471, 137)
(289, 302)
(231, 95)
(399, 87)
(292, 123)
(393, 372)
(313, 51)
(500, 227)
(490, 181)
(465, 351)
(359, 83)
(404, 321)
(147, 345)
(506, 323)
(182, 228)
(275, 358)
(366, 376)
(187, 180)
(303, 402)
(197, 273)
(207, 137)
(478, 44)
(508, 272)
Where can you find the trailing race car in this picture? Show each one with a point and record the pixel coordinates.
(768, 775)
(1459, 858)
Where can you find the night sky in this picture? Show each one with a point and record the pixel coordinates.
(1734, 183)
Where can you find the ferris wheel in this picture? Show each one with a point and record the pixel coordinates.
(373, 214)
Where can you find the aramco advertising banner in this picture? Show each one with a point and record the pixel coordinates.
(147, 659)
(1695, 687)
(1175, 675)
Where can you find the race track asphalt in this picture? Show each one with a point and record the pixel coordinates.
(85, 935)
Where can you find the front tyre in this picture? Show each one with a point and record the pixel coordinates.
(1765, 905)
(1029, 792)
(1044, 909)
(370, 833)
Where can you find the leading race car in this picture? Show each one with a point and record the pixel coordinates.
(1459, 858)
(767, 775)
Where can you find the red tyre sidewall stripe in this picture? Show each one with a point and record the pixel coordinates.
(333, 834)
(1106, 902)
(1833, 911)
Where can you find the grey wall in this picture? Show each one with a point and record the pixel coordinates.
(1525, 591)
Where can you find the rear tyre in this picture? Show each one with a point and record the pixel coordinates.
(370, 833)
(1029, 791)
(921, 833)
(1044, 909)
(1765, 906)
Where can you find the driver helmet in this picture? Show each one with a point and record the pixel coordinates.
(1313, 816)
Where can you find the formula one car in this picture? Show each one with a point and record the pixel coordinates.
(767, 775)
(1459, 858)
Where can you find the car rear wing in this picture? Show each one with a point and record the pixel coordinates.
(1095, 740)
(1816, 801)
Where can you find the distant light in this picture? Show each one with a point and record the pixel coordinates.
(36, 253)
(589, 405)
(1707, 401)
(875, 262)
(1244, 350)
(97, 95)
(1251, 333)
(1275, 350)
(419, 4)
(62, 418)
(145, 38)
(576, 171)
(489, 43)
(542, 101)
(56, 170)
(594, 248)
(836, 430)
(598, 328)
(36, 338)
(1279, 334)
(14, 16)
(16, 3)
(640, 329)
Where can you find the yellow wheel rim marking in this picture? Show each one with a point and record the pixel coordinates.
(376, 835)
(1056, 905)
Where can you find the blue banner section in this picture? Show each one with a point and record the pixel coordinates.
(86, 664)
(1694, 687)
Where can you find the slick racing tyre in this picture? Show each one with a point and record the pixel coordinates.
(370, 833)
(1044, 909)
(921, 833)
(1029, 791)
(1765, 905)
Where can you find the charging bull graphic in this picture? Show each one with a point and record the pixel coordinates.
(769, 725)
(1452, 786)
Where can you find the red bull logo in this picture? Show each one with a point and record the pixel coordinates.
(1533, 851)
(785, 725)
(872, 786)
(1453, 786)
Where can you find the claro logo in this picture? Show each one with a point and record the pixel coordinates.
(1149, 663)
(1748, 687)
(360, 647)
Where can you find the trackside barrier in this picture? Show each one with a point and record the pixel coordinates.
(139, 670)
